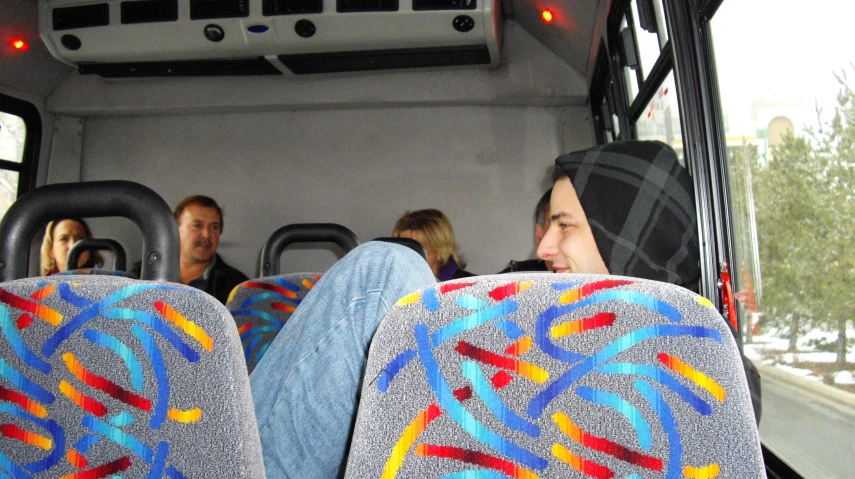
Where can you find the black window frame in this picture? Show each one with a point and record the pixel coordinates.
(28, 166)
(688, 53)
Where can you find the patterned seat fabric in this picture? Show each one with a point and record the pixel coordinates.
(261, 307)
(97, 272)
(575, 376)
(104, 376)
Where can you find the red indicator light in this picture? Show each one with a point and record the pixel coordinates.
(19, 44)
(547, 16)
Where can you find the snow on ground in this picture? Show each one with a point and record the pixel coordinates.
(771, 349)
(844, 377)
(805, 373)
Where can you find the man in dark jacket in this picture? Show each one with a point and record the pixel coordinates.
(541, 224)
(200, 223)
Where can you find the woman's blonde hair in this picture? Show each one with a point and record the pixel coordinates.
(48, 264)
(435, 228)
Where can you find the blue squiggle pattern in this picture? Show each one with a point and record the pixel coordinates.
(544, 321)
(430, 300)
(64, 332)
(663, 378)
(542, 399)
(159, 367)
(510, 328)
(156, 471)
(259, 330)
(23, 383)
(85, 443)
(669, 424)
(565, 286)
(158, 325)
(621, 405)
(460, 415)
(124, 352)
(11, 468)
(494, 403)
(119, 437)
(470, 302)
(391, 370)
(18, 346)
(269, 295)
(259, 314)
(56, 431)
(294, 288)
(474, 320)
(173, 473)
(70, 297)
(121, 420)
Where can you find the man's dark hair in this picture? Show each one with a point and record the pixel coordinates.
(540, 209)
(201, 200)
(558, 173)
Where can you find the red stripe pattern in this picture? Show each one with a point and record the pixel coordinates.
(103, 470)
(105, 385)
(467, 455)
(447, 288)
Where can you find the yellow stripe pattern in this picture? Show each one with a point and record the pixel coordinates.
(697, 377)
(409, 299)
(703, 301)
(565, 424)
(188, 327)
(707, 472)
(178, 415)
(568, 457)
(405, 442)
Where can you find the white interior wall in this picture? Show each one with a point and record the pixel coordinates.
(484, 166)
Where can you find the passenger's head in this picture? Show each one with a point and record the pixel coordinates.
(542, 220)
(433, 230)
(60, 235)
(626, 208)
(200, 222)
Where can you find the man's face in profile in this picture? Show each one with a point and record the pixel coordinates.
(568, 242)
(540, 231)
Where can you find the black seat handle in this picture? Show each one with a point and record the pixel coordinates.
(120, 261)
(127, 199)
(303, 233)
(408, 242)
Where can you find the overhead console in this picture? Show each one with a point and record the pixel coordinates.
(142, 38)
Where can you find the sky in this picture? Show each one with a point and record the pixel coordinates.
(782, 50)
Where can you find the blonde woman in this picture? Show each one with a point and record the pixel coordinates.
(433, 230)
(59, 237)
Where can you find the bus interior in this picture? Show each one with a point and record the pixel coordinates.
(351, 112)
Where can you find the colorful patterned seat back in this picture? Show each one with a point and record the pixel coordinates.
(110, 377)
(261, 307)
(571, 376)
(98, 272)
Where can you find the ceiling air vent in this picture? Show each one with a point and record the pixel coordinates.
(350, 6)
(291, 7)
(443, 5)
(84, 16)
(149, 11)
(207, 9)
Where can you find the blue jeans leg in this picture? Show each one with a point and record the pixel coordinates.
(306, 387)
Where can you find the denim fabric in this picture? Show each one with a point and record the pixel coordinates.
(306, 387)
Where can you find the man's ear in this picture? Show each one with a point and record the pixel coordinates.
(539, 232)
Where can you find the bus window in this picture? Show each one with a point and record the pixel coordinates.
(789, 121)
(647, 23)
(661, 120)
(12, 134)
(19, 131)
